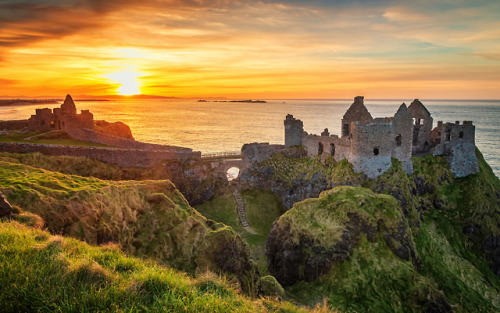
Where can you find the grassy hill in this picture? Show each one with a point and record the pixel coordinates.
(40, 272)
(149, 219)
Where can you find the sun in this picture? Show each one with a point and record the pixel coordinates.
(127, 81)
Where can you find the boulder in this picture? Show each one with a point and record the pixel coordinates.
(5, 207)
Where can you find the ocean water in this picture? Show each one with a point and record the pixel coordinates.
(225, 126)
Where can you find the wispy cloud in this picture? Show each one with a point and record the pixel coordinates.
(243, 47)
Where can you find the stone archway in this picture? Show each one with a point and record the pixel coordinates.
(233, 173)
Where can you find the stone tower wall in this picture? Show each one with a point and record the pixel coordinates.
(457, 142)
(370, 150)
(293, 131)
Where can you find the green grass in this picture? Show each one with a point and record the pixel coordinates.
(149, 219)
(262, 209)
(51, 138)
(44, 273)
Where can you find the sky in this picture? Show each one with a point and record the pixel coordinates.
(448, 49)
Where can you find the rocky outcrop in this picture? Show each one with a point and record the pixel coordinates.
(117, 129)
(5, 207)
(295, 253)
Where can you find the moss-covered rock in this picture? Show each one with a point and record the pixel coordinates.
(269, 287)
(317, 233)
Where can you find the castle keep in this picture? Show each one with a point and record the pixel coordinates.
(369, 143)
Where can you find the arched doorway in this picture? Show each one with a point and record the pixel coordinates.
(232, 173)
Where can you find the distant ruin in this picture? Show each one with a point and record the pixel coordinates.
(63, 118)
(369, 143)
(123, 150)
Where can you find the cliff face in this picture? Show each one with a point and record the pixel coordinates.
(144, 218)
(433, 247)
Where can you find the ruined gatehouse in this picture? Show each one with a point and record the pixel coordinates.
(370, 143)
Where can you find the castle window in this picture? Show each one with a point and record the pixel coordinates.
(448, 135)
(398, 140)
(346, 130)
(320, 148)
(332, 149)
(376, 151)
(52, 124)
(461, 135)
(42, 122)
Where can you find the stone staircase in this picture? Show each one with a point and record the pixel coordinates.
(241, 208)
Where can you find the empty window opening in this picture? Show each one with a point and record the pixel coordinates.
(346, 130)
(42, 122)
(320, 148)
(398, 140)
(426, 145)
(448, 135)
(52, 124)
(415, 136)
(332, 149)
(461, 135)
(232, 173)
(376, 151)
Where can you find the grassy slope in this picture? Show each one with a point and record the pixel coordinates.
(51, 138)
(40, 272)
(262, 209)
(145, 218)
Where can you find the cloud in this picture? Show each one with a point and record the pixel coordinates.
(27, 21)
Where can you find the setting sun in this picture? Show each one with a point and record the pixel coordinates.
(127, 81)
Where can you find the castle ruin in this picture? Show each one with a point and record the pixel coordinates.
(64, 118)
(370, 143)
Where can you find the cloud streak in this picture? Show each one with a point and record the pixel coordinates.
(244, 47)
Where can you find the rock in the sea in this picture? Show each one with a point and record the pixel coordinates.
(5, 207)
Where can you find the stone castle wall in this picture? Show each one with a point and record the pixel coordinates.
(120, 157)
(293, 131)
(332, 145)
(13, 125)
(457, 142)
(370, 150)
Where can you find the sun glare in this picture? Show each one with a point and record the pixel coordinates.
(128, 82)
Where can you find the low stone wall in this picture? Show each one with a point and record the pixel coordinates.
(106, 139)
(121, 157)
(13, 125)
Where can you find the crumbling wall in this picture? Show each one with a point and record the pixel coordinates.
(326, 145)
(370, 149)
(106, 139)
(259, 152)
(457, 142)
(293, 131)
(357, 112)
(422, 127)
(121, 157)
(13, 125)
(402, 138)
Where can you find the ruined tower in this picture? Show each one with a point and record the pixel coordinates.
(293, 131)
(357, 112)
(68, 107)
(422, 127)
(402, 138)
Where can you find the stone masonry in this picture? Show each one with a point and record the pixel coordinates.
(370, 143)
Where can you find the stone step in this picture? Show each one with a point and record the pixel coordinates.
(241, 208)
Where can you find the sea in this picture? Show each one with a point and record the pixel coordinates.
(213, 127)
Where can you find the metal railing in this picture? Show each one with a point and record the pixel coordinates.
(221, 155)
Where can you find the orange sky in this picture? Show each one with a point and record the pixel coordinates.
(251, 49)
